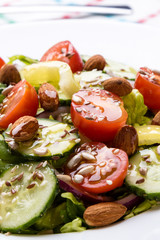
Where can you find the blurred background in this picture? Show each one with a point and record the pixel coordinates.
(20, 11)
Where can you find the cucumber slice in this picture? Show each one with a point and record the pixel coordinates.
(25, 198)
(54, 139)
(4, 166)
(92, 78)
(143, 178)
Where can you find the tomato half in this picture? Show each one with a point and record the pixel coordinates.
(98, 114)
(21, 101)
(148, 84)
(2, 62)
(106, 170)
(65, 52)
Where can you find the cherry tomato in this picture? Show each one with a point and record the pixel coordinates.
(21, 101)
(148, 84)
(65, 52)
(2, 62)
(100, 169)
(98, 114)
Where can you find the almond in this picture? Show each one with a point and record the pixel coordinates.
(126, 139)
(9, 74)
(48, 97)
(95, 62)
(156, 119)
(117, 85)
(103, 214)
(24, 128)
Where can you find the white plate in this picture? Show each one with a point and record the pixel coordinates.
(136, 45)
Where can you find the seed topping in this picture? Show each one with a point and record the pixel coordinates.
(77, 99)
(39, 165)
(86, 170)
(13, 191)
(31, 185)
(87, 155)
(139, 181)
(8, 184)
(74, 161)
(143, 171)
(78, 178)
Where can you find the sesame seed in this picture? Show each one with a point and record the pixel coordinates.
(45, 164)
(76, 99)
(77, 140)
(13, 191)
(109, 182)
(115, 151)
(79, 110)
(102, 164)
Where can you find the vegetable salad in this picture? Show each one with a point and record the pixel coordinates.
(79, 142)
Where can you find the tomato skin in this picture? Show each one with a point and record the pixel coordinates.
(103, 130)
(65, 52)
(2, 62)
(21, 101)
(149, 88)
(110, 169)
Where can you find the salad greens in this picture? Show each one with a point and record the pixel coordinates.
(135, 107)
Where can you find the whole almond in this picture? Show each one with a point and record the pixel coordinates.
(9, 74)
(117, 85)
(126, 139)
(95, 62)
(48, 97)
(24, 128)
(156, 119)
(103, 214)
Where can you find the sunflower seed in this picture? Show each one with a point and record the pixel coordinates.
(86, 170)
(78, 178)
(87, 156)
(65, 178)
(73, 162)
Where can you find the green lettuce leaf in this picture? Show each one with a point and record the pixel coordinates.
(74, 207)
(23, 59)
(74, 226)
(142, 207)
(135, 107)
